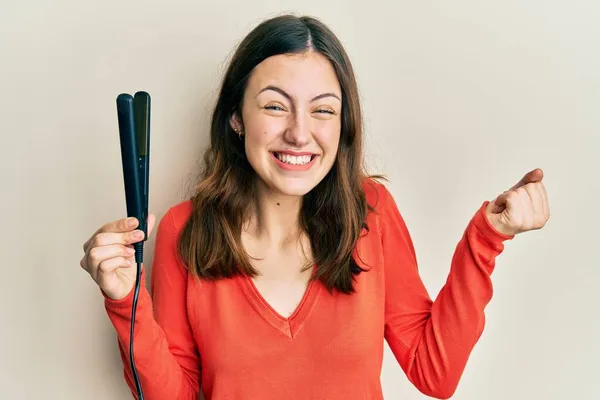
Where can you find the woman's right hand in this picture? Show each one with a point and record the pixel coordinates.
(109, 256)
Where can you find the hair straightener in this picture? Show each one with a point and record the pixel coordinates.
(133, 114)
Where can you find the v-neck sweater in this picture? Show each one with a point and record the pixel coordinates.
(224, 339)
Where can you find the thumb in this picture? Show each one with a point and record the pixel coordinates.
(499, 203)
(535, 175)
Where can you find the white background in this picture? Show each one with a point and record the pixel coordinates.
(461, 99)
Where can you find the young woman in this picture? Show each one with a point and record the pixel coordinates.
(286, 271)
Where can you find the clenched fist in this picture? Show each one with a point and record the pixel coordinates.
(522, 208)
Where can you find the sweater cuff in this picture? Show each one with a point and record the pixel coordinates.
(486, 228)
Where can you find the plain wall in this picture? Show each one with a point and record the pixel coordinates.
(461, 99)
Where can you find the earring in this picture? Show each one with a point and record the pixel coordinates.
(240, 132)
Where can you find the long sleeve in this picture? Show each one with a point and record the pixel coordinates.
(432, 340)
(166, 357)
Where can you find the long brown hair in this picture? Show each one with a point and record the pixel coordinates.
(332, 214)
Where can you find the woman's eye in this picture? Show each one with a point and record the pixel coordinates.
(325, 111)
(274, 107)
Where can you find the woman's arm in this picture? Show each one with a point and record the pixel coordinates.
(432, 340)
(165, 353)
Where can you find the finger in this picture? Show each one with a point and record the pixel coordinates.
(500, 201)
(111, 264)
(535, 198)
(108, 238)
(512, 200)
(546, 208)
(98, 254)
(120, 225)
(535, 175)
(498, 209)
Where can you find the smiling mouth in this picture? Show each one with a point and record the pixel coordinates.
(294, 160)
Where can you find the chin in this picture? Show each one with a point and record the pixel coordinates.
(294, 187)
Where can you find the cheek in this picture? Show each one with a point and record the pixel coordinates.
(328, 138)
(262, 129)
(259, 135)
(255, 147)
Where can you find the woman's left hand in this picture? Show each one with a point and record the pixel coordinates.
(522, 208)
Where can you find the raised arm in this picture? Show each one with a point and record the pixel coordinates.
(166, 357)
(432, 340)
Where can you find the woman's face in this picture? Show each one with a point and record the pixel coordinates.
(291, 120)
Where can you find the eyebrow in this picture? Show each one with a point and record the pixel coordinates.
(286, 95)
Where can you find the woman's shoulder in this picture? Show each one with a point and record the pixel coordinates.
(376, 193)
(382, 209)
(179, 213)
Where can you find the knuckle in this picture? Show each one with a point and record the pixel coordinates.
(94, 253)
(124, 261)
(104, 266)
(124, 238)
(95, 241)
(102, 238)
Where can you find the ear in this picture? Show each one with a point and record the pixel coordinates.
(235, 121)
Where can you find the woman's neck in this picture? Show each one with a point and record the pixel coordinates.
(275, 217)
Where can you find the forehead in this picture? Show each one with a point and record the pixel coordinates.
(301, 75)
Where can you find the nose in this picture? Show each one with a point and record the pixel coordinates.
(298, 132)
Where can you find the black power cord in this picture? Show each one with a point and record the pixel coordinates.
(139, 259)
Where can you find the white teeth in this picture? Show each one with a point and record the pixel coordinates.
(293, 160)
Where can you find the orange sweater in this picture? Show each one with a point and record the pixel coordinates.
(224, 338)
